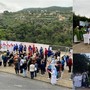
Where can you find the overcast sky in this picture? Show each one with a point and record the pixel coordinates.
(82, 7)
(15, 5)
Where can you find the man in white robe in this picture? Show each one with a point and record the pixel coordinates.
(53, 76)
(77, 80)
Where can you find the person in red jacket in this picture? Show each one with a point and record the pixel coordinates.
(33, 49)
(69, 64)
(46, 52)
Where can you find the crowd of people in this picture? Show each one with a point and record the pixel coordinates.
(79, 31)
(81, 80)
(37, 61)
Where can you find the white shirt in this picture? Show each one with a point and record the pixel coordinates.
(32, 68)
(78, 81)
(75, 81)
(22, 61)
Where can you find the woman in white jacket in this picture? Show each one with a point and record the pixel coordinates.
(32, 70)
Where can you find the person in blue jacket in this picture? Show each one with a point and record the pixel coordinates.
(20, 48)
(41, 50)
(63, 63)
(49, 52)
(16, 47)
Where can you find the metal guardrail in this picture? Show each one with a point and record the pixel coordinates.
(61, 48)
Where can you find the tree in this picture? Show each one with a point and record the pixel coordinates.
(80, 63)
(32, 26)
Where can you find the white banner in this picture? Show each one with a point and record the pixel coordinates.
(9, 45)
(81, 23)
(3, 46)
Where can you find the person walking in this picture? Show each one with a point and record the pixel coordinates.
(24, 67)
(32, 70)
(17, 66)
(45, 53)
(69, 64)
(53, 76)
(63, 63)
(20, 48)
(38, 63)
(36, 67)
(42, 67)
(49, 70)
(58, 68)
(28, 63)
(25, 48)
(4, 58)
(85, 79)
(21, 64)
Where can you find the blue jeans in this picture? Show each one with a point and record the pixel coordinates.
(24, 72)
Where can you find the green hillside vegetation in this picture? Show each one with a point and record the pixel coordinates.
(51, 25)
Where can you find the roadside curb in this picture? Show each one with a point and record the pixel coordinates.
(36, 79)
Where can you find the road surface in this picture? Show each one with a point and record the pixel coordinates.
(82, 89)
(14, 82)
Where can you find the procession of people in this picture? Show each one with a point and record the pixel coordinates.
(36, 61)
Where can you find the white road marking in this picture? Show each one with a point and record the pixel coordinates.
(18, 86)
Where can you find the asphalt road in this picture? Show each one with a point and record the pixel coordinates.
(82, 89)
(14, 82)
